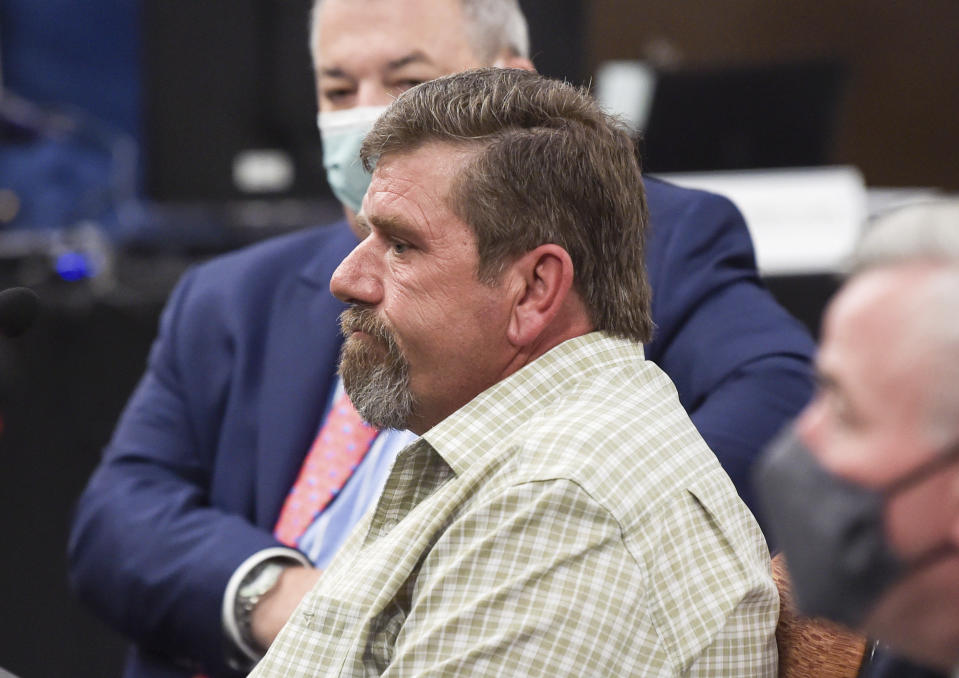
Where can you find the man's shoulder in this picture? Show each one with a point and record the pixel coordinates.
(590, 407)
(663, 193)
(671, 206)
(621, 434)
(624, 440)
(623, 421)
(623, 444)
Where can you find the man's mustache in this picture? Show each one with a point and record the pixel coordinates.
(363, 319)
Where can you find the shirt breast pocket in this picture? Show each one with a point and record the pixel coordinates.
(342, 631)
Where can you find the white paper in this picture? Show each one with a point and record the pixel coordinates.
(801, 220)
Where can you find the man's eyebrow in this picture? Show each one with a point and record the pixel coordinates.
(392, 226)
(414, 57)
(333, 72)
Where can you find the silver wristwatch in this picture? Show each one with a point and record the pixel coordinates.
(255, 587)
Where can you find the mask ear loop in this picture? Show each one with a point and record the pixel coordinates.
(944, 459)
(932, 556)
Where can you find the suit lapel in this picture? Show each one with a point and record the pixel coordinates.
(299, 368)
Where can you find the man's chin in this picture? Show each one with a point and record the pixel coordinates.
(376, 381)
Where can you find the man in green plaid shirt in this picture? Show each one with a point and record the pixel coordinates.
(560, 515)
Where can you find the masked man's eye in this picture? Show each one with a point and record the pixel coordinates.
(338, 94)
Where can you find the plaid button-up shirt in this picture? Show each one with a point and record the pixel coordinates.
(569, 521)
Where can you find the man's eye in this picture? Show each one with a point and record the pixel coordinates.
(844, 415)
(336, 95)
(399, 247)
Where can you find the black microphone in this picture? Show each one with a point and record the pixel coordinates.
(18, 309)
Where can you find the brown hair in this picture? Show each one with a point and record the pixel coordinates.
(549, 167)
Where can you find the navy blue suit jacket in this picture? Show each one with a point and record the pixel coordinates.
(239, 376)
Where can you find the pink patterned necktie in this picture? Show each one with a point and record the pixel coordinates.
(339, 447)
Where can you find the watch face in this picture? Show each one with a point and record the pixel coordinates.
(262, 582)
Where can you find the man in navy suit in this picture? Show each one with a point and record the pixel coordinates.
(173, 539)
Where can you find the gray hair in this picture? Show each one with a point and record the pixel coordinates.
(492, 27)
(923, 231)
(926, 235)
(495, 26)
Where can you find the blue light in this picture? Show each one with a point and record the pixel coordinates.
(74, 266)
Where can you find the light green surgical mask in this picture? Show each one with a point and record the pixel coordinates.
(342, 133)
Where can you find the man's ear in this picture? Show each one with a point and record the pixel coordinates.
(545, 277)
(514, 61)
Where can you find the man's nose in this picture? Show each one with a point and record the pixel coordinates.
(811, 423)
(372, 92)
(355, 280)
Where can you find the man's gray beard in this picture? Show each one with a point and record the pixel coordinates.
(377, 385)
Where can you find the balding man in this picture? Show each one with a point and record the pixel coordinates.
(864, 494)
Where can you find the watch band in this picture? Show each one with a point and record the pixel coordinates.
(259, 584)
(239, 650)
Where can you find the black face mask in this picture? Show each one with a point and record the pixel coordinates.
(831, 530)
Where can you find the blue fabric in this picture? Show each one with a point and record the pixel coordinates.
(241, 373)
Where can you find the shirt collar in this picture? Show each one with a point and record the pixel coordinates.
(462, 438)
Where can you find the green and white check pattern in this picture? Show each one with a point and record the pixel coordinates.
(569, 521)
